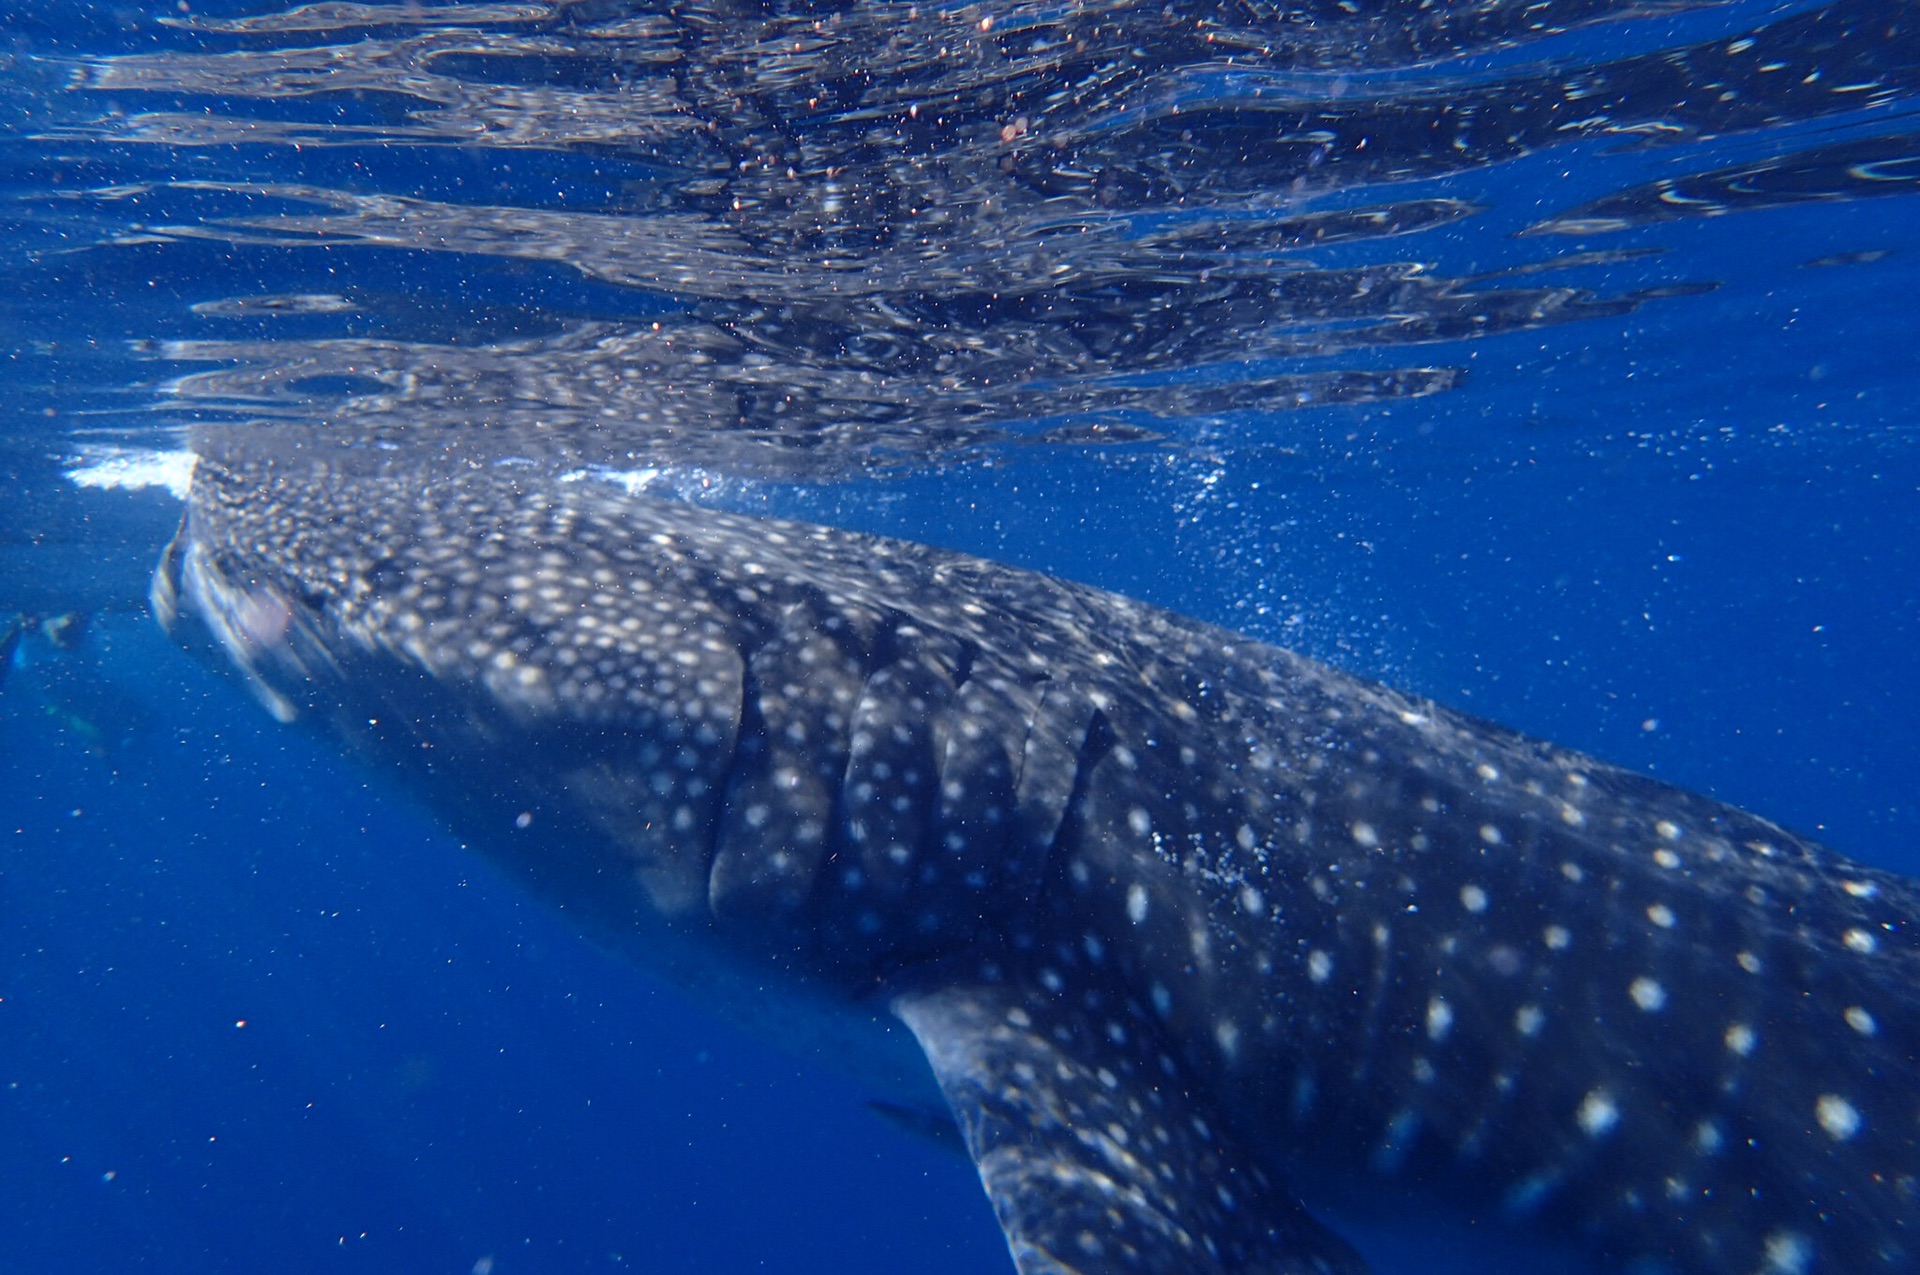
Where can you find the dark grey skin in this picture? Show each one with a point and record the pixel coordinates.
(1184, 924)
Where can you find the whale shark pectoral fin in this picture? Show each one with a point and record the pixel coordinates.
(1097, 1161)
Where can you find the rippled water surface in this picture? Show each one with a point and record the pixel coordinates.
(1556, 359)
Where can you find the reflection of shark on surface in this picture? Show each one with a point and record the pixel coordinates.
(1185, 925)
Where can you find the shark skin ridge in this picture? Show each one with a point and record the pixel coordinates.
(1185, 927)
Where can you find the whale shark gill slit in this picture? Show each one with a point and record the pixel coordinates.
(1187, 926)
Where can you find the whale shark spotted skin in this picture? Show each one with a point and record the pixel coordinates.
(1183, 925)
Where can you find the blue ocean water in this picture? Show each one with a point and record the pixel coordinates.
(1556, 361)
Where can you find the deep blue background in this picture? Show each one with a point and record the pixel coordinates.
(1684, 541)
(431, 1070)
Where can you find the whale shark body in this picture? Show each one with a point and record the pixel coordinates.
(1184, 927)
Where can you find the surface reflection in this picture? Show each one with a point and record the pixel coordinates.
(884, 233)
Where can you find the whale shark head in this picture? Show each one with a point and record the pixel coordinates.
(1191, 933)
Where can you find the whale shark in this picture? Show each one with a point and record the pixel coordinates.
(1193, 936)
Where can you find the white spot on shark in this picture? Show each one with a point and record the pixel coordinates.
(1860, 941)
(1787, 1253)
(1840, 1118)
(1598, 1114)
